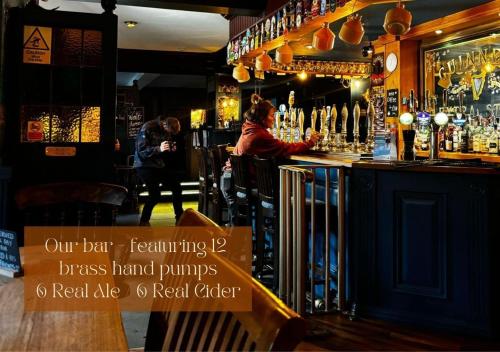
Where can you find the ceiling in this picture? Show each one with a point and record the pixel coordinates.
(163, 27)
(159, 29)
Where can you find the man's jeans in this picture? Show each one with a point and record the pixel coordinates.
(227, 188)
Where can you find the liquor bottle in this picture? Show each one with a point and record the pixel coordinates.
(315, 8)
(247, 45)
(449, 139)
(333, 5)
(273, 27)
(455, 140)
(298, 14)
(284, 20)
(229, 54)
(238, 47)
(464, 139)
(306, 10)
(291, 15)
(476, 141)
(257, 36)
(262, 33)
(252, 40)
(279, 31)
(485, 141)
(442, 138)
(267, 30)
(493, 145)
(322, 8)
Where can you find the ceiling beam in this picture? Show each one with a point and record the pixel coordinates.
(224, 7)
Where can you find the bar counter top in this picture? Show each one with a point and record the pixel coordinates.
(435, 166)
(325, 159)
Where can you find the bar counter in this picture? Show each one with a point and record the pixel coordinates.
(422, 241)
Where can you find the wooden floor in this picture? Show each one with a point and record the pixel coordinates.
(337, 333)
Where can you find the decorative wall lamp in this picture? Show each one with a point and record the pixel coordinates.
(352, 30)
(284, 54)
(240, 73)
(263, 62)
(398, 20)
(323, 38)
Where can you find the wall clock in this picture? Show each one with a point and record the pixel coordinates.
(391, 62)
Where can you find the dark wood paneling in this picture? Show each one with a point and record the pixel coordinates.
(239, 24)
(424, 248)
(422, 272)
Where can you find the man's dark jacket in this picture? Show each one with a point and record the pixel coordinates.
(147, 145)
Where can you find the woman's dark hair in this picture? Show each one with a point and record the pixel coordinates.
(259, 109)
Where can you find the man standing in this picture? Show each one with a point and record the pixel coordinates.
(154, 140)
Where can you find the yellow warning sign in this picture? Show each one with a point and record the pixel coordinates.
(37, 42)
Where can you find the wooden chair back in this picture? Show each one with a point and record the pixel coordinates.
(268, 180)
(241, 176)
(270, 326)
(70, 204)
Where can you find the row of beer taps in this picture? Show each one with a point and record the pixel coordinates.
(289, 127)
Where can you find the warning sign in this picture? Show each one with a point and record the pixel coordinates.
(35, 131)
(37, 42)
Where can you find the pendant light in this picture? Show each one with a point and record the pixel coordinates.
(352, 30)
(284, 54)
(398, 20)
(263, 62)
(323, 38)
(240, 73)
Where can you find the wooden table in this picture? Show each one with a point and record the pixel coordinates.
(55, 331)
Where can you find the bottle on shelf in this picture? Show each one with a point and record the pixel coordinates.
(306, 10)
(449, 139)
(291, 15)
(315, 8)
(493, 142)
(298, 14)
(322, 7)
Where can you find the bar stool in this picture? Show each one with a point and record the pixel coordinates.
(245, 200)
(204, 179)
(217, 156)
(268, 220)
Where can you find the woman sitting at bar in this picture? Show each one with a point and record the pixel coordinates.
(256, 140)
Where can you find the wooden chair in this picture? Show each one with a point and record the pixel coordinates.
(270, 326)
(70, 204)
(245, 195)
